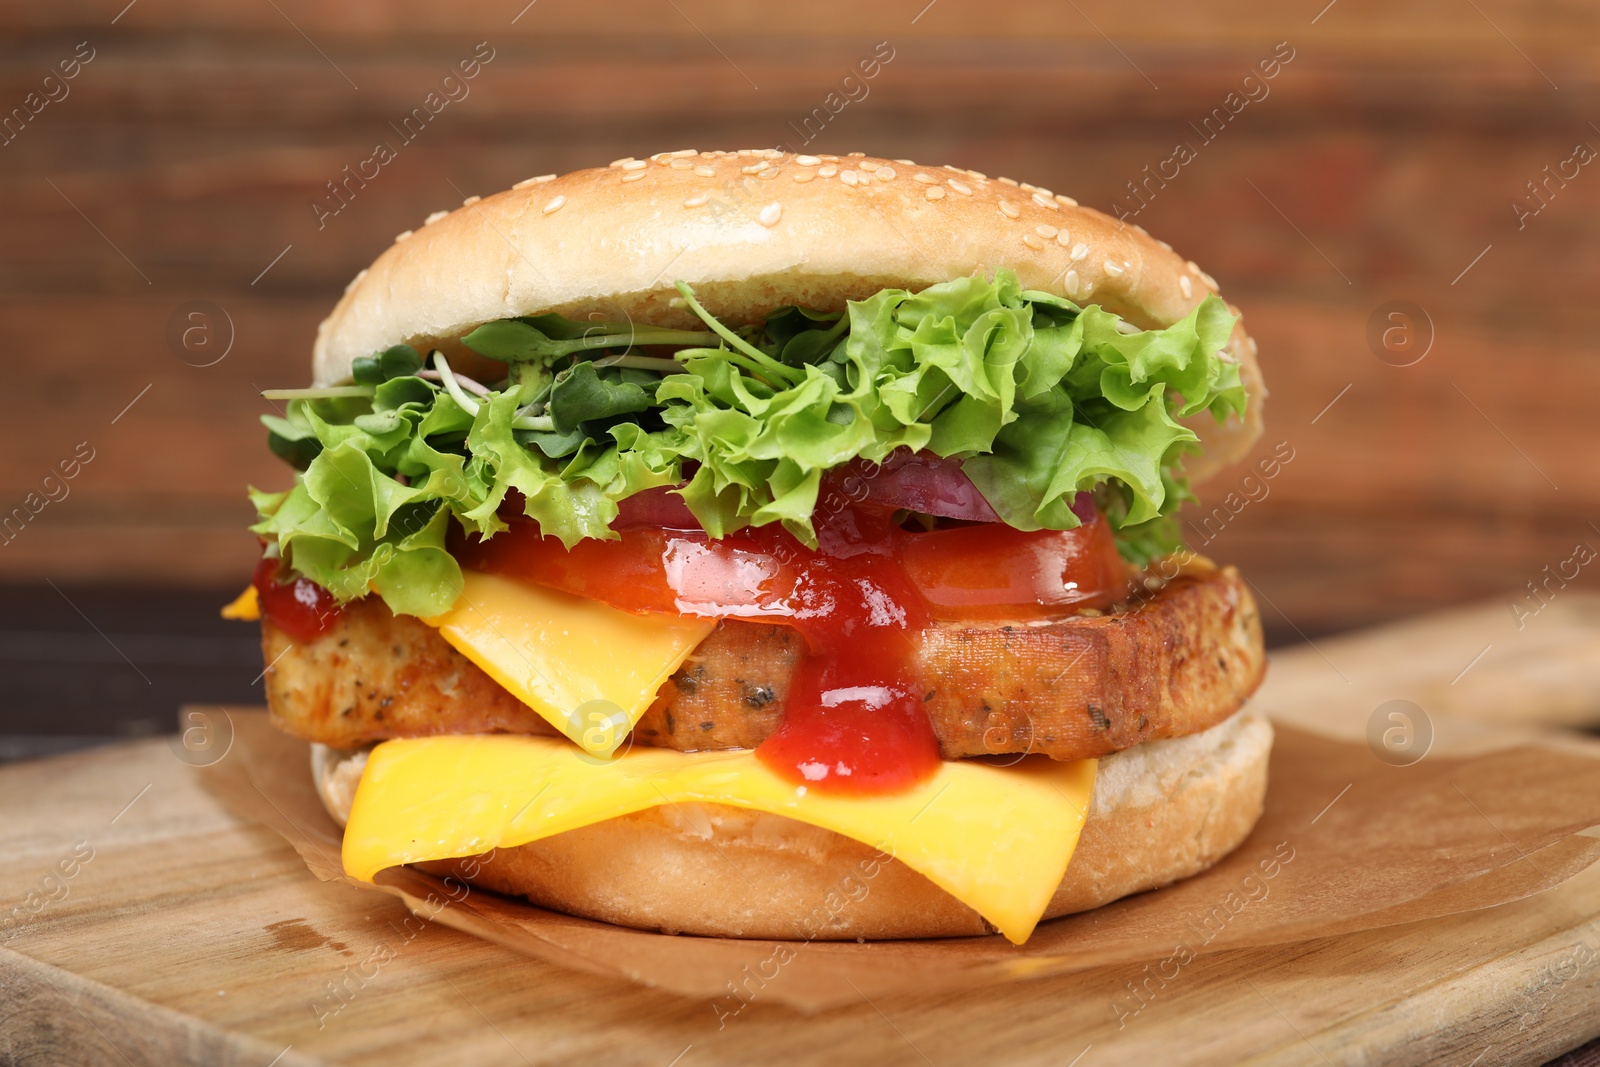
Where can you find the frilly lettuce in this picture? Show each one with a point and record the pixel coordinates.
(1038, 398)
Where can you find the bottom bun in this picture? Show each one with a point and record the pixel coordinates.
(1162, 811)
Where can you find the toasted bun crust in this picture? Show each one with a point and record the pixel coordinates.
(751, 231)
(1162, 811)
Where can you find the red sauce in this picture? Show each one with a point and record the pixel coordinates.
(853, 720)
(301, 608)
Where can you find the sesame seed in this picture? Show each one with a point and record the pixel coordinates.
(1067, 200)
(1045, 201)
(401, 236)
(1072, 283)
(681, 164)
(706, 172)
(807, 161)
(633, 164)
(1025, 187)
(539, 180)
(435, 217)
(1185, 286)
(1045, 230)
(1194, 268)
(555, 205)
(771, 214)
(934, 192)
(885, 174)
(1079, 250)
(469, 201)
(925, 179)
(803, 176)
(850, 177)
(633, 176)
(768, 174)
(1042, 190)
(978, 175)
(1113, 269)
(961, 187)
(684, 152)
(771, 153)
(624, 161)
(1063, 238)
(755, 168)
(828, 159)
(1032, 241)
(855, 154)
(1209, 280)
(905, 162)
(1009, 181)
(696, 201)
(956, 170)
(827, 172)
(1009, 210)
(1163, 244)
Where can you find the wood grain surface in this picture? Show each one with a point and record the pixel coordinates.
(1381, 163)
(184, 935)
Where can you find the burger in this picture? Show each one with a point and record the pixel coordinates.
(769, 546)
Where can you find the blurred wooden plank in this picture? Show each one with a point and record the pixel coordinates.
(1480, 663)
(276, 79)
(1554, 25)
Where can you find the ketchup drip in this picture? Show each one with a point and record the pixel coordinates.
(301, 608)
(853, 721)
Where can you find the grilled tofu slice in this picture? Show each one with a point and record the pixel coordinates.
(1178, 659)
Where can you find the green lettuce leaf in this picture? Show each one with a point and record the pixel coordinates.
(1040, 399)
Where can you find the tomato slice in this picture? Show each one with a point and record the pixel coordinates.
(994, 572)
(987, 571)
(684, 573)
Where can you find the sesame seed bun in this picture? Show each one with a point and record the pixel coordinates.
(1161, 811)
(750, 231)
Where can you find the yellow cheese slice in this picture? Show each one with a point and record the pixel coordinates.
(996, 838)
(588, 668)
(246, 607)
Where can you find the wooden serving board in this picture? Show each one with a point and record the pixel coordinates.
(143, 923)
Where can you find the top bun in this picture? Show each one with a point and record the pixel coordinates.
(750, 231)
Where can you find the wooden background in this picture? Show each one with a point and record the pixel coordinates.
(1382, 165)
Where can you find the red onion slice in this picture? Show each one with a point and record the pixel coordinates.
(910, 481)
(915, 481)
(660, 507)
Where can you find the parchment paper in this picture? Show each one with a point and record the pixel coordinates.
(1347, 843)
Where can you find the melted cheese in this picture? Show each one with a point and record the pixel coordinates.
(996, 838)
(589, 669)
(246, 607)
